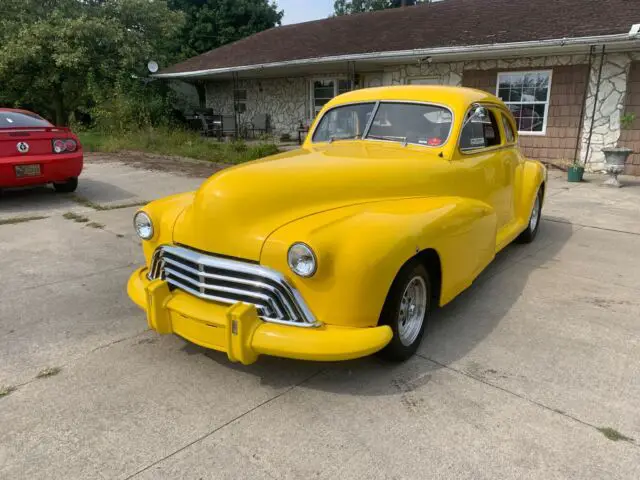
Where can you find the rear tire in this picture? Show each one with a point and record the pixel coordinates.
(406, 311)
(66, 187)
(534, 221)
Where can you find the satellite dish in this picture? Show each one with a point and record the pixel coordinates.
(152, 66)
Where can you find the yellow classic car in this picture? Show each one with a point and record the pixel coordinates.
(397, 200)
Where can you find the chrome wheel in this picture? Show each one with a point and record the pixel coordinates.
(413, 307)
(535, 214)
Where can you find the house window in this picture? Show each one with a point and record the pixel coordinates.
(323, 90)
(527, 96)
(240, 100)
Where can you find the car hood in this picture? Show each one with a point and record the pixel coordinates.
(236, 210)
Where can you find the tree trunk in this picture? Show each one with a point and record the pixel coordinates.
(61, 116)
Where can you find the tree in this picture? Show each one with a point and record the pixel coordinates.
(55, 53)
(213, 23)
(347, 7)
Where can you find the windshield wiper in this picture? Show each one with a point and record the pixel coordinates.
(390, 138)
(351, 137)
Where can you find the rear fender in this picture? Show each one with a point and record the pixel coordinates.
(534, 174)
(361, 248)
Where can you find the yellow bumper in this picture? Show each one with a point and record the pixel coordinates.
(238, 331)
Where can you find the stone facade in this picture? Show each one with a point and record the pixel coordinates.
(605, 123)
(287, 100)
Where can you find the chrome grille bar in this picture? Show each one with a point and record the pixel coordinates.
(230, 281)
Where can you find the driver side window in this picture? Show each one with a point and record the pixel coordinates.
(480, 130)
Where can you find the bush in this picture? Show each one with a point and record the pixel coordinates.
(178, 142)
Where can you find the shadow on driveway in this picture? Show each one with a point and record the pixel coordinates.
(452, 332)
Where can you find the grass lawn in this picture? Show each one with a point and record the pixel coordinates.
(176, 142)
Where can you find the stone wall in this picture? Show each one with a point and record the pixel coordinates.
(285, 100)
(609, 107)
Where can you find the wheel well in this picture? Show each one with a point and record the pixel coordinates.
(431, 261)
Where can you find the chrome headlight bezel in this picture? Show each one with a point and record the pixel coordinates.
(300, 250)
(143, 225)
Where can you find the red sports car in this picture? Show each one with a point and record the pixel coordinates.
(34, 152)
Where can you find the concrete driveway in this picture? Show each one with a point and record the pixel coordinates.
(534, 372)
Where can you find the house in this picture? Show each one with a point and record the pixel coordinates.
(569, 70)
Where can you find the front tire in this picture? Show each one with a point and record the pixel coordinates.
(534, 221)
(66, 187)
(406, 310)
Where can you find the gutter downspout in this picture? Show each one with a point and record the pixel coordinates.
(595, 105)
(584, 105)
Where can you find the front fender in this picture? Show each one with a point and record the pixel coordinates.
(361, 248)
(164, 213)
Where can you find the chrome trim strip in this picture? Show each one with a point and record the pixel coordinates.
(204, 286)
(367, 127)
(289, 298)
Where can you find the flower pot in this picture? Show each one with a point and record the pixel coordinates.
(615, 160)
(574, 174)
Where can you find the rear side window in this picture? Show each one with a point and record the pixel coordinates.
(508, 131)
(20, 119)
(480, 130)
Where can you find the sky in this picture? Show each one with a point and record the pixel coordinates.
(296, 11)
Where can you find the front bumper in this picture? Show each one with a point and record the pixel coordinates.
(238, 331)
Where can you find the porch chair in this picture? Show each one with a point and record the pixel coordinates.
(260, 123)
(211, 125)
(229, 125)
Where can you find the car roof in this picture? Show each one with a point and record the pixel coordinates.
(455, 97)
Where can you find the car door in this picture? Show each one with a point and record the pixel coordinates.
(512, 162)
(484, 162)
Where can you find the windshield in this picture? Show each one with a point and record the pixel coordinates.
(21, 119)
(421, 124)
(416, 123)
(346, 122)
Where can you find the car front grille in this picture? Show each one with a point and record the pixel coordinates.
(227, 281)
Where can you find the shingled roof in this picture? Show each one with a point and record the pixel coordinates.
(447, 23)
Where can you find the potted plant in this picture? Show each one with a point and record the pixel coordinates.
(575, 170)
(616, 158)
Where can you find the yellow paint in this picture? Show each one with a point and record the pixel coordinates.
(366, 207)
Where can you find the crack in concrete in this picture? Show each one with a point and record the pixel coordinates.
(226, 424)
(590, 226)
(518, 395)
(65, 280)
(62, 366)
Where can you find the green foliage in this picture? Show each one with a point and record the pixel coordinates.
(176, 142)
(626, 120)
(55, 53)
(347, 7)
(213, 23)
(84, 61)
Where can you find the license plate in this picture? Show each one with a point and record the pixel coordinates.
(32, 170)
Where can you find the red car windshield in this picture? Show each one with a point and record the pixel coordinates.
(9, 119)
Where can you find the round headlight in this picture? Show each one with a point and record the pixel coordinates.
(302, 260)
(143, 225)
